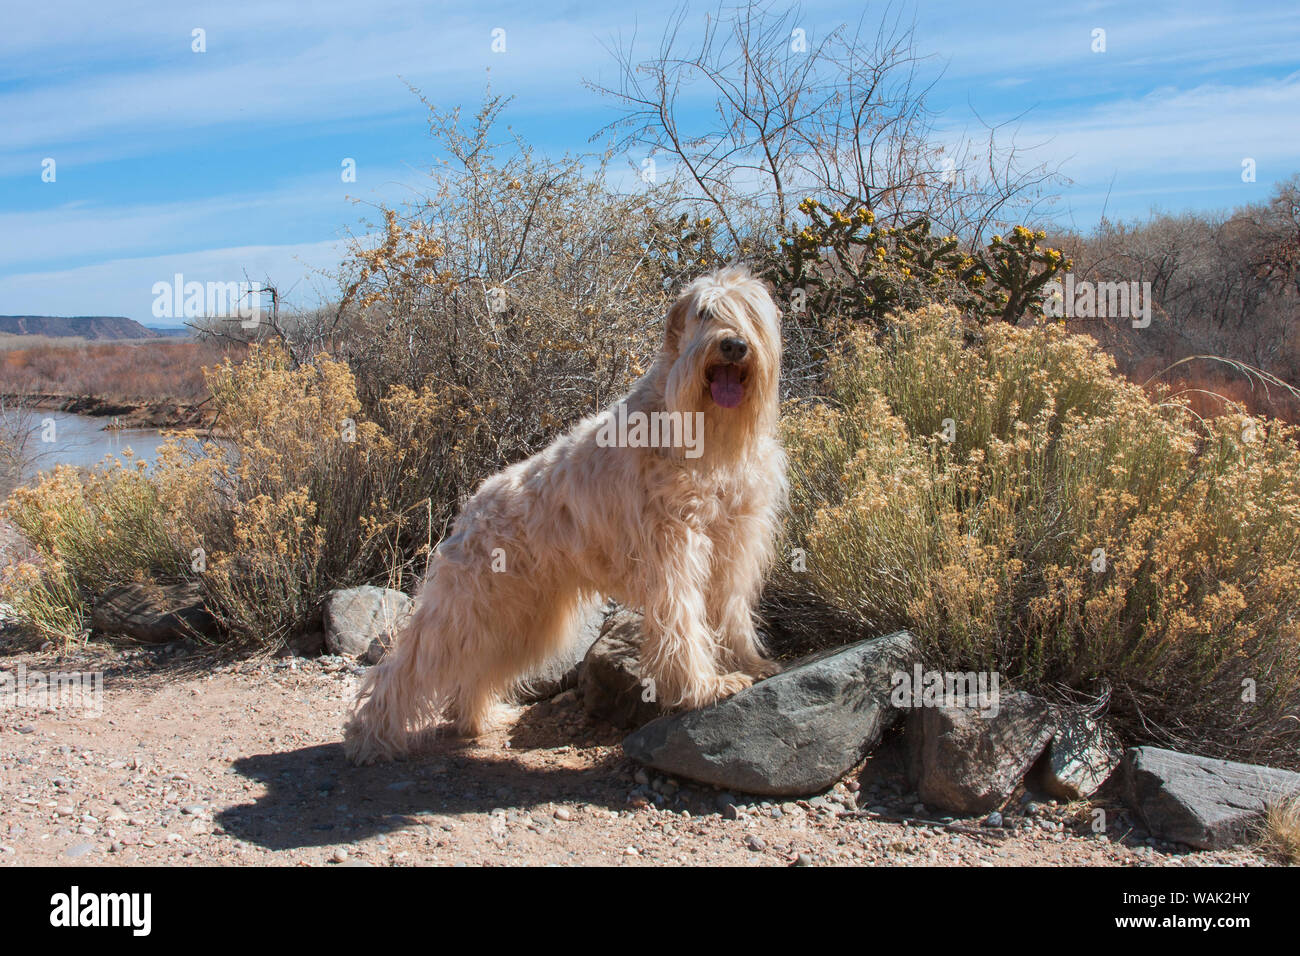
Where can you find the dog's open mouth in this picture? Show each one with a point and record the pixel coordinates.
(727, 384)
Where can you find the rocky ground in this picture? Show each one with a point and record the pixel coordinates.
(207, 762)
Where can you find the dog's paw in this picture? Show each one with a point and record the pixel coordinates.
(733, 683)
(761, 669)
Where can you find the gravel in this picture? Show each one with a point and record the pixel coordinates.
(239, 763)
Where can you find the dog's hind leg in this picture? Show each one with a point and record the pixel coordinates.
(520, 637)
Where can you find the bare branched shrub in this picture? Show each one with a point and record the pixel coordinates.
(753, 112)
(1224, 285)
(520, 294)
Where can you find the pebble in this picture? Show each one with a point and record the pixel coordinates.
(339, 856)
(563, 813)
(78, 850)
(755, 842)
(994, 819)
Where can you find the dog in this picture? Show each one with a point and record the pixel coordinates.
(683, 529)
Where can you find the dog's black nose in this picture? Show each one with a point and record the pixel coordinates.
(733, 350)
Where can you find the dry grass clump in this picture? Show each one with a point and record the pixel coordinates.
(1073, 532)
(1282, 830)
(301, 496)
(120, 371)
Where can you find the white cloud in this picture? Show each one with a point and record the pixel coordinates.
(124, 286)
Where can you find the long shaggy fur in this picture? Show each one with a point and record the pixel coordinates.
(687, 539)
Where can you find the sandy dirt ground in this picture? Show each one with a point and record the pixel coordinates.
(197, 761)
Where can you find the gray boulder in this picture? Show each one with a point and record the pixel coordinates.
(1205, 803)
(964, 761)
(153, 613)
(793, 734)
(1082, 755)
(361, 621)
(610, 676)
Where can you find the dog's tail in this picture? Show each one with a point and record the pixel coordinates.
(396, 698)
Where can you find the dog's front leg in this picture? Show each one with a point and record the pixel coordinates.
(733, 591)
(677, 652)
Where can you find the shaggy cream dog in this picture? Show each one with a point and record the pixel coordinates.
(673, 510)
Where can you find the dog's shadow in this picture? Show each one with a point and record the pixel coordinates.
(316, 797)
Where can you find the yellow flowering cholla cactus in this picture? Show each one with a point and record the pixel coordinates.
(854, 268)
(1021, 507)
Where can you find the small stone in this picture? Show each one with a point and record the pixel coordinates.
(78, 850)
(803, 859)
(339, 856)
(755, 843)
(563, 813)
(994, 819)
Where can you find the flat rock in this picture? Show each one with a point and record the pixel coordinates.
(357, 619)
(610, 676)
(153, 613)
(1200, 801)
(964, 760)
(793, 734)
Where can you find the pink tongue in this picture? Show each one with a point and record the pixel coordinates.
(726, 388)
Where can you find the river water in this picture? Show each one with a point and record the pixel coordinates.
(63, 438)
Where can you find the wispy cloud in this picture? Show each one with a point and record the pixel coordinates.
(125, 286)
(237, 150)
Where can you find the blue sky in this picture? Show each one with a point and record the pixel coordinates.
(227, 162)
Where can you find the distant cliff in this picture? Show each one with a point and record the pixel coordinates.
(104, 327)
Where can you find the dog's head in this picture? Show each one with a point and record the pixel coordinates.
(722, 349)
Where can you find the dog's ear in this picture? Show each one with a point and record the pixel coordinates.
(675, 325)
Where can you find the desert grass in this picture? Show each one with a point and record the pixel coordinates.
(1074, 532)
(147, 370)
(1281, 838)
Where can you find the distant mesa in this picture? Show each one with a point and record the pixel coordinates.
(101, 327)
